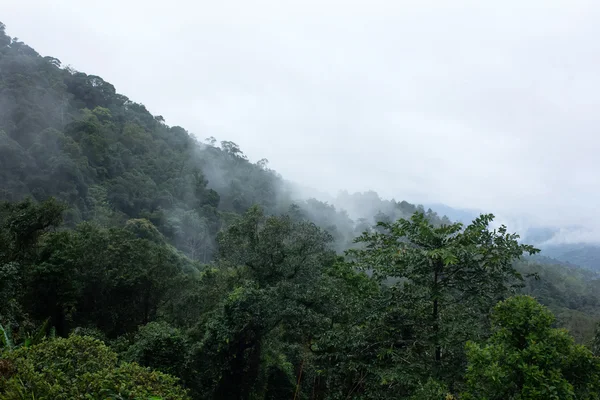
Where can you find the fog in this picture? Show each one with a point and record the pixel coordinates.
(480, 105)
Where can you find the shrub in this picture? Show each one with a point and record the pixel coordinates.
(81, 367)
(159, 346)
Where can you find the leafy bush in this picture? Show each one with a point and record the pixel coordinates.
(526, 358)
(158, 345)
(432, 390)
(81, 367)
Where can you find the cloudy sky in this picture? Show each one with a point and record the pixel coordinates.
(492, 105)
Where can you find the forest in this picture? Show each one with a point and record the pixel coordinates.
(139, 262)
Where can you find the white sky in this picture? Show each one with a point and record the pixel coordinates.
(492, 105)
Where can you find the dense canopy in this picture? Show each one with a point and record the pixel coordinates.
(139, 262)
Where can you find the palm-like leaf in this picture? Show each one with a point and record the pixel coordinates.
(5, 340)
(40, 334)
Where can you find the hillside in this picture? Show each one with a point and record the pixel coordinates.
(72, 136)
(584, 255)
(137, 261)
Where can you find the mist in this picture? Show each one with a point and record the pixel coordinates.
(487, 107)
(478, 106)
(261, 249)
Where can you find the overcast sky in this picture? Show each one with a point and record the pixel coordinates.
(492, 105)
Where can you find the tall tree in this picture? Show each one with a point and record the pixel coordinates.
(527, 359)
(442, 282)
(276, 299)
(22, 225)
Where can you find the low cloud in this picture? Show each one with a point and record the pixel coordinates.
(481, 105)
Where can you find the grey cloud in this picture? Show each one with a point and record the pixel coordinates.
(488, 105)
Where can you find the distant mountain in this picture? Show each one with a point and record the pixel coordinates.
(583, 255)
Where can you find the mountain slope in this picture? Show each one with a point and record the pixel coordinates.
(260, 306)
(584, 255)
(70, 135)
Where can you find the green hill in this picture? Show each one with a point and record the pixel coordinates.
(72, 136)
(139, 262)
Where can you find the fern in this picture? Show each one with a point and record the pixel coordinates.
(29, 340)
(5, 340)
(39, 335)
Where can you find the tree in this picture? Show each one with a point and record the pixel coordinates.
(4, 39)
(233, 149)
(80, 367)
(192, 234)
(107, 278)
(159, 346)
(527, 359)
(595, 346)
(263, 163)
(277, 299)
(22, 225)
(440, 283)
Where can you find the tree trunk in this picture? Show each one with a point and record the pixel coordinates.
(436, 313)
(436, 330)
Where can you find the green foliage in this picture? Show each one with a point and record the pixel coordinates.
(81, 367)
(5, 339)
(432, 390)
(277, 298)
(144, 229)
(159, 346)
(188, 258)
(10, 279)
(21, 227)
(438, 284)
(23, 224)
(69, 135)
(525, 358)
(571, 293)
(90, 332)
(26, 339)
(88, 275)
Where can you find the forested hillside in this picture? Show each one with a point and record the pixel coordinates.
(72, 136)
(582, 254)
(139, 262)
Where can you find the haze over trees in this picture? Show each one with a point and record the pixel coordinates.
(139, 262)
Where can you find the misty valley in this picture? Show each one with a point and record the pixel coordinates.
(138, 261)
